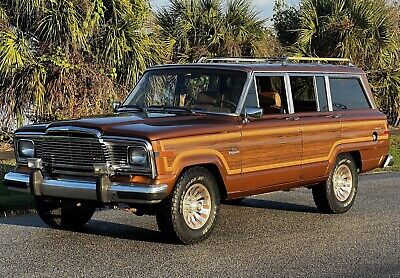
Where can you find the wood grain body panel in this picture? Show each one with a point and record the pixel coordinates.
(275, 153)
(321, 136)
(271, 152)
(217, 149)
(363, 129)
(362, 124)
(217, 145)
(272, 188)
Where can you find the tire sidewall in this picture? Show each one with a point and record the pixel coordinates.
(190, 178)
(337, 205)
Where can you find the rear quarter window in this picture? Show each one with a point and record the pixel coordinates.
(348, 94)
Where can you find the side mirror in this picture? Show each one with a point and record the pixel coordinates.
(116, 105)
(253, 113)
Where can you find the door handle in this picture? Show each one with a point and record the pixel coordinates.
(334, 116)
(292, 118)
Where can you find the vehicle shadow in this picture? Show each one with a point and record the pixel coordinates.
(124, 231)
(131, 232)
(95, 227)
(275, 205)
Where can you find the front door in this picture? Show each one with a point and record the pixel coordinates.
(271, 146)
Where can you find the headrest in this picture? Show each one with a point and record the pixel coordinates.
(271, 97)
(208, 97)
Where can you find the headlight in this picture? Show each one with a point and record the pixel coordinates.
(26, 148)
(137, 156)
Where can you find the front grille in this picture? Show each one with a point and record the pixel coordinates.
(38, 146)
(119, 154)
(73, 152)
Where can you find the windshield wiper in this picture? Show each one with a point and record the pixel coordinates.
(170, 109)
(131, 106)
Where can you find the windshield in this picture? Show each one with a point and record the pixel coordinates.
(195, 89)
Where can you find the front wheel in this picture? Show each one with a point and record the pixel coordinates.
(190, 213)
(63, 213)
(337, 195)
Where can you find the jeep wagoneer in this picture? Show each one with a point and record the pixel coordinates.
(189, 136)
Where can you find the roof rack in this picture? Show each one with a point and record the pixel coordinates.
(231, 60)
(282, 60)
(320, 60)
(239, 60)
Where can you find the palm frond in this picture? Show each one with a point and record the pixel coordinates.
(4, 20)
(15, 52)
(61, 25)
(359, 29)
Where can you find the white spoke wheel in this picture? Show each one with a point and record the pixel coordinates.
(196, 206)
(342, 182)
(190, 213)
(337, 195)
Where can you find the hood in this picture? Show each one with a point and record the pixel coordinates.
(152, 126)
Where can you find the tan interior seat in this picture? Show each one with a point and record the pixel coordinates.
(271, 102)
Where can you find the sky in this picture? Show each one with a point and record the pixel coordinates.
(264, 7)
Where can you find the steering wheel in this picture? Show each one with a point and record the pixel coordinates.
(230, 103)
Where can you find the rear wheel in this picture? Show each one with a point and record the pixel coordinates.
(63, 213)
(190, 213)
(337, 195)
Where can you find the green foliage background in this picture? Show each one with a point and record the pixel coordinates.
(71, 58)
(366, 31)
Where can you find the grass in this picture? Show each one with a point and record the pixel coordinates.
(12, 202)
(395, 152)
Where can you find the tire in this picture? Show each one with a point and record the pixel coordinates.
(337, 195)
(178, 217)
(64, 214)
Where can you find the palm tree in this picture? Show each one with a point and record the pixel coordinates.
(207, 27)
(244, 30)
(69, 58)
(124, 43)
(192, 27)
(356, 29)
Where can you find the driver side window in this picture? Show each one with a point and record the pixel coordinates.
(268, 93)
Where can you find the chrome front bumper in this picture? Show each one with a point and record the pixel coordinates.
(100, 189)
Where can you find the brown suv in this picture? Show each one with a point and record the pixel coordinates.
(189, 136)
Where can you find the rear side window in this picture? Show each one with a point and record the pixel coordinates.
(309, 94)
(303, 93)
(348, 94)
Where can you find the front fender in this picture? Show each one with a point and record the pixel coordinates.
(173, 168)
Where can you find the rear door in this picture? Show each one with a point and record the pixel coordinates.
(320, 126)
